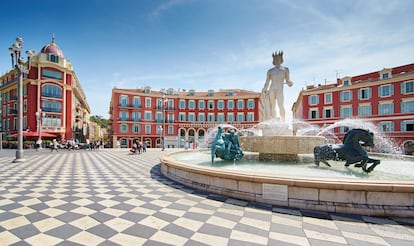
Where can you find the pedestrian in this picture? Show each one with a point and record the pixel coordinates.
(54, 146)
(88, 144)
(144, 146)
(38, 144)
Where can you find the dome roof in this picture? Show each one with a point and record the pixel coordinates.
(52, 48)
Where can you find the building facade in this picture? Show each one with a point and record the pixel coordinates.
(385, 98)
(186, 116)
(53, 100)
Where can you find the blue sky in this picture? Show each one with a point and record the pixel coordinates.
(211, 44)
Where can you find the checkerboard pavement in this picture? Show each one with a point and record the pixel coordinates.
(108, 197)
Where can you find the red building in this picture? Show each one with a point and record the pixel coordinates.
(50, 88)
(385, 98)
(185, 116)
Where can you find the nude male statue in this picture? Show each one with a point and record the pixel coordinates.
(276, 78)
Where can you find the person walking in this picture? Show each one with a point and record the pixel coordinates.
(54, 146)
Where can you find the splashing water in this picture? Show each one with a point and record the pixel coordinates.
(303, 128)
(382, 142)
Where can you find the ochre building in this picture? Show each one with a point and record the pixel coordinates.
(51, 88)
(182, 116)
(384, 98)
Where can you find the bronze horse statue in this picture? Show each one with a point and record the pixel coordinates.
(226, 146)
(350, 151)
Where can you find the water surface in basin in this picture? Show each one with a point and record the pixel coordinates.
(389, 169)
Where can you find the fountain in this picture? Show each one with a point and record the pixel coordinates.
(278, 167)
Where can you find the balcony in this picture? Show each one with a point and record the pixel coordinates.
(12, 111)
(52, 110)
(130, 105)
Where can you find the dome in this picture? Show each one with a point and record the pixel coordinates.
(52, 48)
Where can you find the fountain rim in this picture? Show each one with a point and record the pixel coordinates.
(298, 181)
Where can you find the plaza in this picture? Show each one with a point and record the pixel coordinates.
(108, 197)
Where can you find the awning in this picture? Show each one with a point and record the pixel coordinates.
(34, 134)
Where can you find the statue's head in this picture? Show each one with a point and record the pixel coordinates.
(277, 58)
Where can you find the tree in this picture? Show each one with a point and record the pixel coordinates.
(103, 123)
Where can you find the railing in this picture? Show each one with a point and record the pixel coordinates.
(53, 110)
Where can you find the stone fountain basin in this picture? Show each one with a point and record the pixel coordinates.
(385, 198)
(285, 148)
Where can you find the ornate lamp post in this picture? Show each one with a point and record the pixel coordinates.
(22, 68)
(164, 101)
(39, 117)
(161, 130)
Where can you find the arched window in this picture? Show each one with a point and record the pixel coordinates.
(50, 90)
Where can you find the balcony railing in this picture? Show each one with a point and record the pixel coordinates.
(130, 105)
(52, 110)
(12, 111)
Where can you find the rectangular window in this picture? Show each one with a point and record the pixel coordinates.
(54, 107)
(211, 117)
(386, 126)
(137, 102)
(147, 129)
(328, 98)
(240, 117)
(407, 87)
(407, 107)
(328, 113)
(148, 102)
(346, 96)
(364, 93)
(191, 117)
(220, 104)
(230, 117)
(136, 128)
(170, 118)
(51, 120)
(181, 117)
(250, 117)
(385, 108)
(170, 130)
(181, 104)
(313, 114)
(210, 104)
(136, 116)
(158, 117)
(191, 104)
(123, 101)
(148, 115)
(52, 74)
(346, 112)
(385, 76)
(123, 116)
(240, 104)
(364, 110)
(201, 104)
(385, 90)
(220, 117)
(313, 99)
(407, 126)
(123, 128)
(230, 104)
(201, 117)
(250, 104)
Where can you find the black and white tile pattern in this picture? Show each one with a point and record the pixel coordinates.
(108, 197)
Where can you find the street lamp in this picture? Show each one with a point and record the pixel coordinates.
(161, 130)
(164, 101)
(22, 68)
(39, 117)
